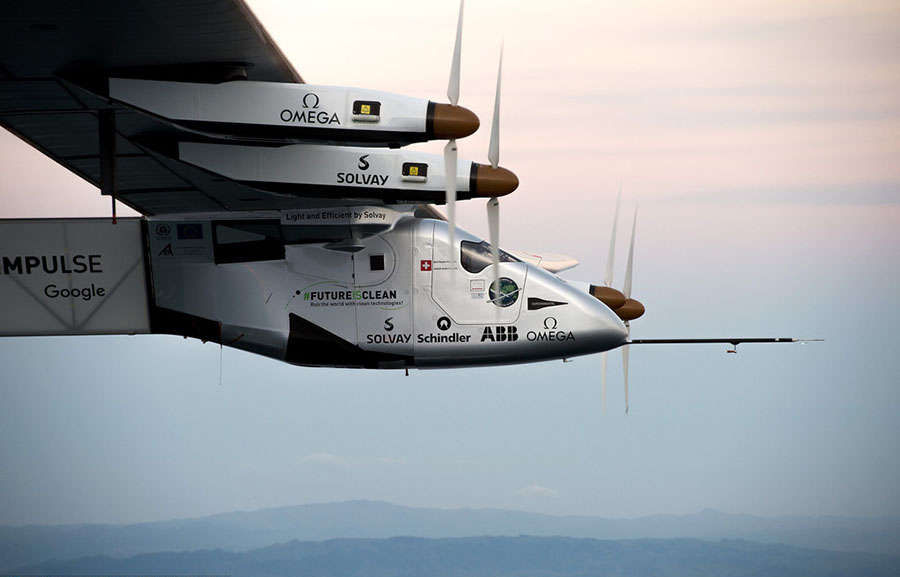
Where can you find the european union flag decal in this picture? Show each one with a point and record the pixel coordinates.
(190, 231)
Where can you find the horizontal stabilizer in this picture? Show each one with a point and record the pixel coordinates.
(547, 260)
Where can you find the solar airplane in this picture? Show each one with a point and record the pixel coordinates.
(281, 218)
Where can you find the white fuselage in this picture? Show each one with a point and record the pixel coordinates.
(405, 297)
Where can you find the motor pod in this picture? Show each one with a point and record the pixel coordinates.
(490, 182)
(609, 296)
(285, 113)
(316, 170)
(448, 121)
(632, 309)
(626, 309)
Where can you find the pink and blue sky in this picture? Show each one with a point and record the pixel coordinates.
(763, 142)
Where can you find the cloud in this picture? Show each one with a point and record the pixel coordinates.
(386, 461)
(887, 193)
(324, 459)
(332, 460)
(464, 462)
(537, 491)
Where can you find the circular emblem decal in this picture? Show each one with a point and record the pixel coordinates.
(508, 293)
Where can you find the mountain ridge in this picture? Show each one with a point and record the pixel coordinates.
(246, 530)
(494, 556)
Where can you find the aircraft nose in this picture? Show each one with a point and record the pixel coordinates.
(608, 328)
(604, 329)
(595, 327)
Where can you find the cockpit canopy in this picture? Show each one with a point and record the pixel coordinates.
(476, 256)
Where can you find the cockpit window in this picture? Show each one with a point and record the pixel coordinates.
(476, 256)
(247, 241)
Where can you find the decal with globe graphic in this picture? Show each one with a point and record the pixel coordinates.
(508, 293)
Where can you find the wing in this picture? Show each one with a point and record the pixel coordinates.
(189, 107)
(184, 40)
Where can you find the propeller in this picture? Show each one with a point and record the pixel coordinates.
(627, 292)
(450, 185)
(492, 181)
(450, 151)
(607, 281)
(603, 372)
(619, 302)
(453, 84)
(608, 278)
(493, 203)
(494, 146)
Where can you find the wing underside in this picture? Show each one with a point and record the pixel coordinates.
(45, 44)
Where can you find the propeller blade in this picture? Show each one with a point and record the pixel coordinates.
(625, 369)
(453, 85)
(603, 381)
(608, 278)
(450, 186)
(626, 289)
(493, 210)
(494, 148)
(493, 205)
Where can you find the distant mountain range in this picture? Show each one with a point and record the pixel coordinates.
(245, 531)
(494, 557)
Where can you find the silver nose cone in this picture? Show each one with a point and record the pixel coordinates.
(607, 331)
(589, 325)
(600, 328)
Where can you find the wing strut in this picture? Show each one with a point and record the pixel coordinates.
(106, 119)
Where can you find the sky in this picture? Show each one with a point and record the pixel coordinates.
(762, 140)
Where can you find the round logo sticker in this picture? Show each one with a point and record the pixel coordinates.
(508, 293)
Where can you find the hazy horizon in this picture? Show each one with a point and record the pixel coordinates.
(700, 512)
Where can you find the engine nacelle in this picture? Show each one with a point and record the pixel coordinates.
(285, 112)
(311, 170)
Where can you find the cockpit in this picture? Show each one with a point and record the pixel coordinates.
(476, 256)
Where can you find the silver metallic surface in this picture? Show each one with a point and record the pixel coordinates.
(405, 299)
